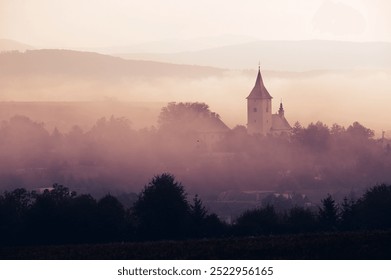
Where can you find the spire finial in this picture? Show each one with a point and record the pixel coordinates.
(259, 65)
(281, 110)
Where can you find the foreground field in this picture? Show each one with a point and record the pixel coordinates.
(353, 245)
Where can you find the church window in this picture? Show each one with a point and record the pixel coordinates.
(255, 110)
(267, 108)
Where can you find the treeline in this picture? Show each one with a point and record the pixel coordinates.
(162, 212)
(193, 143)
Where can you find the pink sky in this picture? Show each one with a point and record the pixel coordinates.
(83, 23)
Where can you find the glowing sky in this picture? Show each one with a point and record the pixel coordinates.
(98, 23)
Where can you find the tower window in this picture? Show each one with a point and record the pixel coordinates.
(255, 110)
(267, 108)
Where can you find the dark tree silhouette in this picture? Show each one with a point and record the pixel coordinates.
(162, 210)
(49, 219)
(197, 210)
(374, 208)
(257, 222)
(204, 224)
(300, 220)
(348, 214)
(214, 227)
(328, 214)
(111, 219)
(14, 207)
(197, 214)
(83, 216)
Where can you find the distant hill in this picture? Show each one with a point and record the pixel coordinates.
(11, 45)
(90, 65)
(284, 55)
(74, 76)
(176, 45)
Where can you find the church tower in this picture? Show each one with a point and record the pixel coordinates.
(259, 108)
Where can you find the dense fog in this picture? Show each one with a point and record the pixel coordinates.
(192, 143)
(95, 123)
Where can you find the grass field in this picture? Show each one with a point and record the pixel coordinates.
(352, 245)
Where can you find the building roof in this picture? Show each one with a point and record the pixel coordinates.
(209, 124)
(279, 123)
(259, 91)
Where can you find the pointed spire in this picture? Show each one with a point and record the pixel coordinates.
(281, 110)
(259, 91)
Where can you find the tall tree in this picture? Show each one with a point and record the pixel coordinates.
(348, 214)
(111, 214)
(198, 214)
(258, 222)
(328, 214)
(14, 207)
(374, 208)
(162, 210)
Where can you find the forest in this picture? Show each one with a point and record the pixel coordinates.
(163, 211)
(100, 198)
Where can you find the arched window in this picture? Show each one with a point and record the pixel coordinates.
(255, 110)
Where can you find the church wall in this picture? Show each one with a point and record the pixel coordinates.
(259, 116)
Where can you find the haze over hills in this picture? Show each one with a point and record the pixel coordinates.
(168, 46)
(241, 52)
(63, 88)
(12, 45)
(284, 55)
(88, 64)
(64, 75)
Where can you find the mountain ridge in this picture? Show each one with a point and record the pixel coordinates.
(57, 61)
(303, 55)
(12, 45)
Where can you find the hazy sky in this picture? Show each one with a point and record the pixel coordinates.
(101, 23)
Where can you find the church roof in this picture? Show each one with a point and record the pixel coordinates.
(279, 123)
(259, 91)
(209, 125)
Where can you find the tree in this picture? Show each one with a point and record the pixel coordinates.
(111, 219)
(14, 207)
(257, 222)
(328, 214)
(297, 132)
(213, 226)
(162, 210)
(374, 208)
(348, 214)
(174, 112)
(185, 118)
(84, 219)
(197, 210)
(359, 131)
(24, 142)
(49, 220)
(337, 129)
(300, 220)
(316, 137)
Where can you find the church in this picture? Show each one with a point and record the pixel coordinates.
(260, 119)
